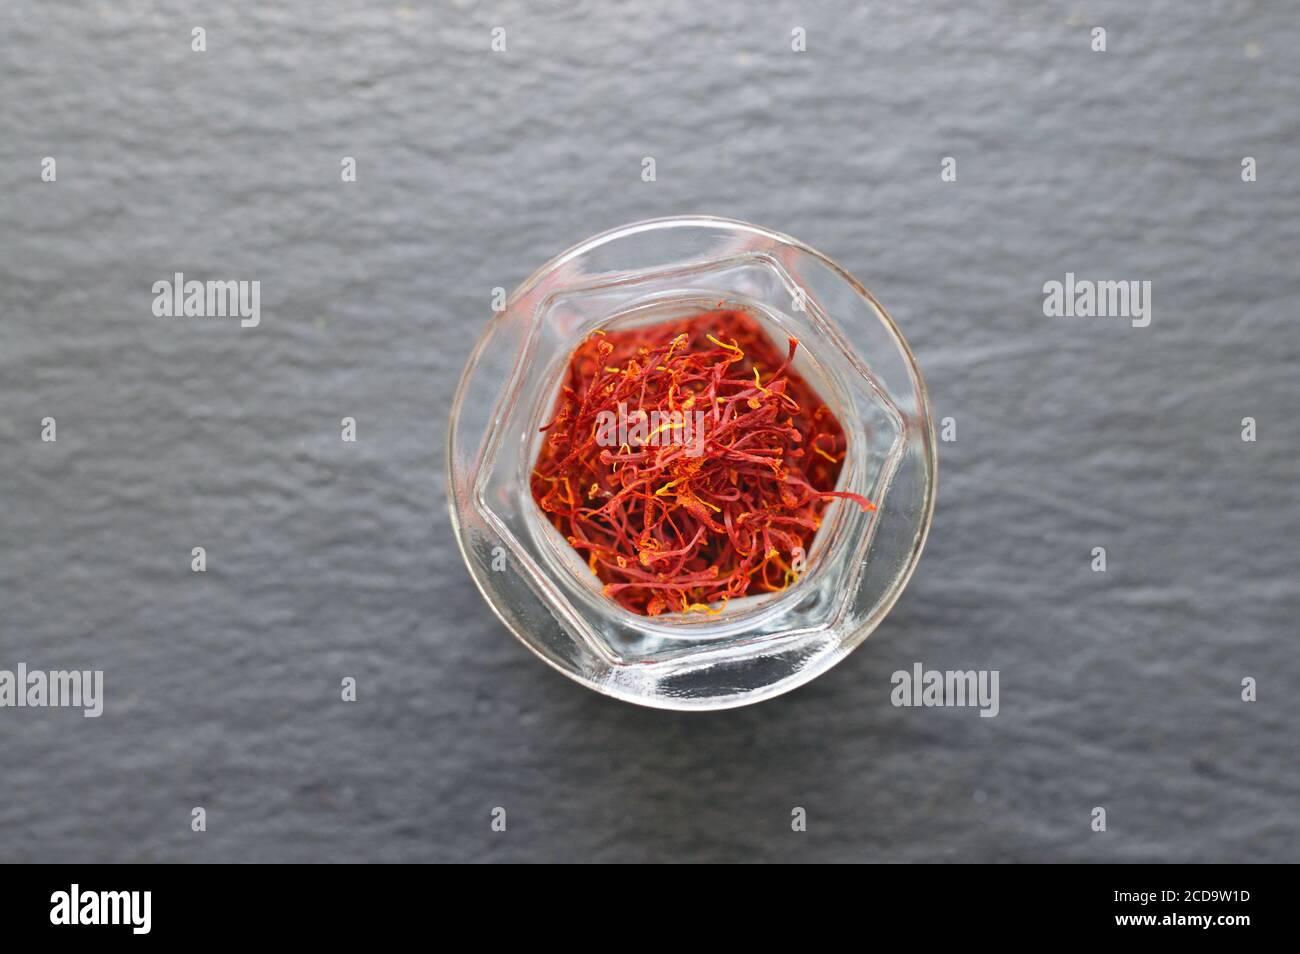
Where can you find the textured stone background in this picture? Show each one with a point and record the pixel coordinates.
(328, 559)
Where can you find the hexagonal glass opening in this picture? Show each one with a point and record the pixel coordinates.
(758, 284)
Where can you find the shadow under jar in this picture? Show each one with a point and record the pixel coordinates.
(850, 354)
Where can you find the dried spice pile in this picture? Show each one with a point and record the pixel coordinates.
(688, 463)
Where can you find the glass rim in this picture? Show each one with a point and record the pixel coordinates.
(927, 443)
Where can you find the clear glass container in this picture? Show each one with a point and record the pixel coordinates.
(850, 352)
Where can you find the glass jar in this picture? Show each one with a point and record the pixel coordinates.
(852, 355)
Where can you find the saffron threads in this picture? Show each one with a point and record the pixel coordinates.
(689, 463)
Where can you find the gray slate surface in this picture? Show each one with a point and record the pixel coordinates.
(328, 559)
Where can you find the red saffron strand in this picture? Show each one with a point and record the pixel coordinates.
(688, 462)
